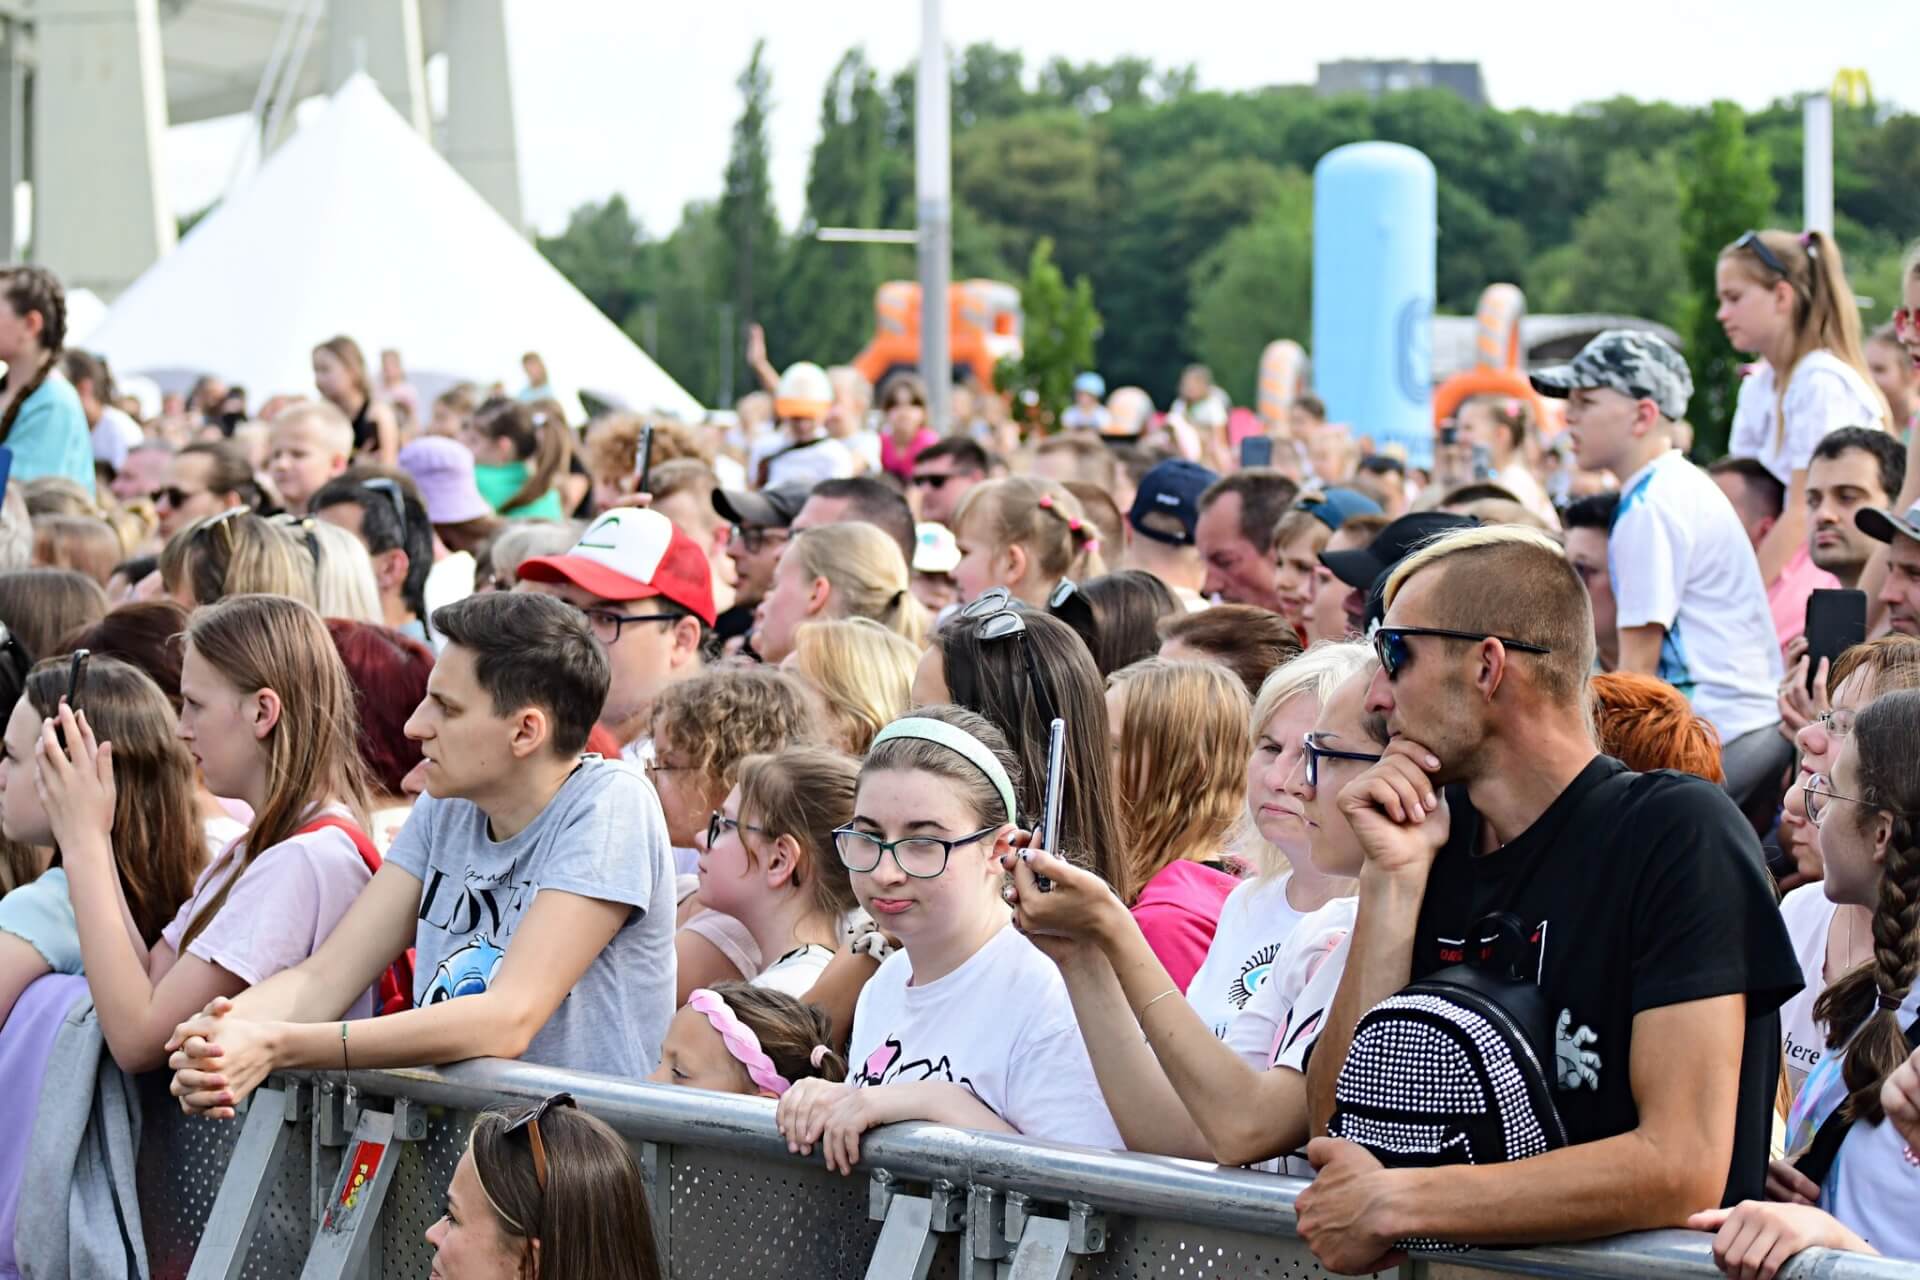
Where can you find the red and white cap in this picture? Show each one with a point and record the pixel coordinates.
(633, 553)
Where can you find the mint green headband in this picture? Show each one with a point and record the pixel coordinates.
(961, 743)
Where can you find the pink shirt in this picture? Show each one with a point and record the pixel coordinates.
(1178, 911)
(1787, 594)
(899, 461)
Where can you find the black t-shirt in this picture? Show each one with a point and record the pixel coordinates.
(1640, 890)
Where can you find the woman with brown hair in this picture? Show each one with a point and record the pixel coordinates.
(545, 1192)
(42, 421)
(520, 453)
(267, 714)
(236, 553)
(340, 374)
(39, 606)
(160, 846)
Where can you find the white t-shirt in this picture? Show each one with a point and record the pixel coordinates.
(1875, 1182)
(1824, 394)
(114, 437)
(1254, 923)
(1284, 1017)
(1517, 479)
(1002, 1025)
(1808, 914)
(795, 972)
(1679, 557)
(787, 463)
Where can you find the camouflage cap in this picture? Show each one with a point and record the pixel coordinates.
(1633, 362)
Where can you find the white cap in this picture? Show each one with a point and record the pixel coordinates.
(935, 550)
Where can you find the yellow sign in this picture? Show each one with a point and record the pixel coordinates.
(1852, 88)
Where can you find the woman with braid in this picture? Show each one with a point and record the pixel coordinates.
(42, 421)
(1854, 1178)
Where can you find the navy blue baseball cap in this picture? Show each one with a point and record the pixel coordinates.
(1338, 505)
(1172, 488)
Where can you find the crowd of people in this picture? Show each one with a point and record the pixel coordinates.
(359, 730)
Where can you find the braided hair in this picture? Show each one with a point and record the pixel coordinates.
(1861, 1009)
(29, 289)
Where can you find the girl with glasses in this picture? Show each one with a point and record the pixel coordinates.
(545, 1191)
(1867, 813)
(968, 1023)
(767, 859)
(1174, 1088)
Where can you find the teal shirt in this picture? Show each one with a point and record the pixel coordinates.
(499, 483)
(50, 436)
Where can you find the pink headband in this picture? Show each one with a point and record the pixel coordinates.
(739, 1039)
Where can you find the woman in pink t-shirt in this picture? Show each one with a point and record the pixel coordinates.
(1180, 751)
(267, 714)
(907, 431)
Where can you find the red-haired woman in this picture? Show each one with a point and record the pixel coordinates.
(1647, 724)
(389, 673)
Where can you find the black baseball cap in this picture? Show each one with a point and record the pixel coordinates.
(1363, 566)
(772, 508)
(1171, 488)
(1884, 526)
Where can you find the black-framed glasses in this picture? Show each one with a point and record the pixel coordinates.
(935, 480)
(1753, 244)
(529, 1124)
(1316, 753)
(605, 623)
(719, 824)
(755, 537)
(174, 496)
(1390, 644)
(920, 857)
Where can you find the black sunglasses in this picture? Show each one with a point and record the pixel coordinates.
(1071, 605)
(380, 484)
(174, 495)
(1752, 242)
(529, 1124)
(931, 481)
(1390, 644)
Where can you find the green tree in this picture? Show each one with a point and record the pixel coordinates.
(1255, 287)
(748, 265)
(604, 252)
(824, 311)
(1061, 325)
(1727, 189)
(1625, 255)
(688, 316)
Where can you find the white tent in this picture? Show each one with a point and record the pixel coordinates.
(358, 226)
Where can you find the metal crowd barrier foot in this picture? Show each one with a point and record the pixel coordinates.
(911, 1226)
(242, 1199)
(343, 1243)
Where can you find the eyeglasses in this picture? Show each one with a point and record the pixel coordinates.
(1753, 244)
(1000, 618)
(1819, 795)
(1906, 327)
(1316, 753)
(921, 857)
(605, 623)
(754, 539)
(660, 766)
(719, 824)
(380, 484)
(174, 496)
(1390, 644)
(1838, 724)
(529, 1124)
(930, 480)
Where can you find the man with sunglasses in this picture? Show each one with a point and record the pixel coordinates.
(646, 592)
(1649, 921)
(942, 475)
(762, 521)
(203, 480)
(1690, 604)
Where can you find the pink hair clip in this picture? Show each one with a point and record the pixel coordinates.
(1093, 544)
(1046, 501)
(1515, 406)
(740, 1040)
(1073, 525)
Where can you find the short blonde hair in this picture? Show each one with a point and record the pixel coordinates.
(1511, 580)
(344, 585)
(863, 671)
(328, 423)
(1315, 673)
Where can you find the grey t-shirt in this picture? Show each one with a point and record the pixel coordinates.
(602, 836)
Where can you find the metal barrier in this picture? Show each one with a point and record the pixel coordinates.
(729, 1201)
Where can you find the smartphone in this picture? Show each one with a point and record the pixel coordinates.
(1449, 435)
(76, 685)
(1836, 621)
(643, 460)
(1050, 812)
(1482, 462)
(1256, 451)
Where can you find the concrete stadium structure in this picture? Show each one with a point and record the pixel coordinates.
(88, 89)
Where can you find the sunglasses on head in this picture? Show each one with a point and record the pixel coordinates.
(529, 1125)
(1000, 619)
(1753, 244)
(1390, 644)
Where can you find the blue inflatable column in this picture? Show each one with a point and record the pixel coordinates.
(1374, 230)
